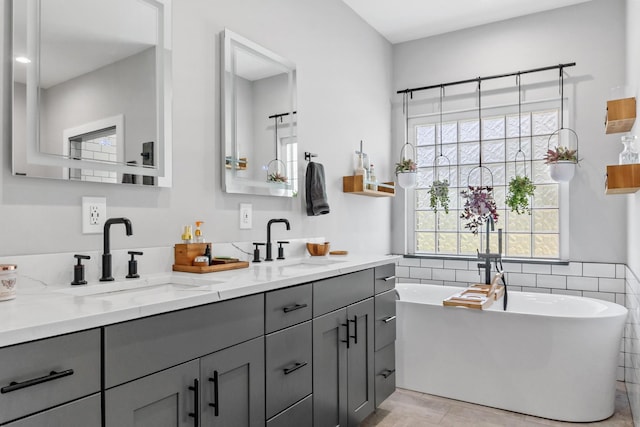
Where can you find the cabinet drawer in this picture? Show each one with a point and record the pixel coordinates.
(299, 415)
(287, 307)
(48, 372)
(385, 276)
(85, 412)
(140, 347)
(385, 315)
(289, 367)
(385, 367)
(332, 294)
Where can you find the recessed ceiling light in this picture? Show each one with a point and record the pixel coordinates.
(23, 59)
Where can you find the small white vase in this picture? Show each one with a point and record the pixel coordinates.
(562, 170)
(277, 188)
(407, 179)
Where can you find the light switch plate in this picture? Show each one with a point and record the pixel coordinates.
(246, 216)
(94, 214)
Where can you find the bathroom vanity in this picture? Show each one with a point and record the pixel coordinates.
(275, 345)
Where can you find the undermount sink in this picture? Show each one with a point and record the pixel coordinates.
(137, 292)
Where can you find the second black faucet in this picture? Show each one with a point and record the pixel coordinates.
(106, 254)
(271, 221)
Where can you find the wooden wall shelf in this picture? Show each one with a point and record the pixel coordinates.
(356, 184)
(621, 115)
(623, 179)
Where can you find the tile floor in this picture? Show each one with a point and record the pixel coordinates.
(406, 408)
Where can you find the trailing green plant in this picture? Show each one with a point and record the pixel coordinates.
(276, 177)
(479, 205)
(439, 195)
(560, 153)
(520, 190)
(406, 165)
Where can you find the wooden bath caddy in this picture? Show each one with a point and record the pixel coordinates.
(210, 268)
(478, 296)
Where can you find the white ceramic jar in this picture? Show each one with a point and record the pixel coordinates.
(8, 281)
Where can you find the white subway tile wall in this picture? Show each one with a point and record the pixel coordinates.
(609, 282)
(631, 346)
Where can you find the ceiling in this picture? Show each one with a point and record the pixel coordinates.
(404, 20)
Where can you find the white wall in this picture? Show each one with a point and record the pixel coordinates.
(589, 34)
(344, 83)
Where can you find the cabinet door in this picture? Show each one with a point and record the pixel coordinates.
(330, 369)
(84, 412)
(233, 386)
(163, 399)
(360, 370)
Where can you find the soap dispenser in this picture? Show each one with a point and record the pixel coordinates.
(199, 238)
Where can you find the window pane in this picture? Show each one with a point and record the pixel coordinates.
(425, 135)
(449, 132)
(468, 130)
(517, 222)
(447, 243)
(422, 199)
(426, 154)
(448, 222)
(546, 246)
(493, 151)
(518, 245)
(545, 196)
(545, 220)
(545, 122)
(425, 220)
(469, 153)
(512, 125)
(469, 243)
(425, 242)
(493, 128)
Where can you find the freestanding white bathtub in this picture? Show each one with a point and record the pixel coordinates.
(548, 355)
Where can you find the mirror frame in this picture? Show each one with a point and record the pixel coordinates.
(163, 170)
(231, 182)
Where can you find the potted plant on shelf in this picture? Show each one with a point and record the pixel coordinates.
(406, 171)
(520, 190)
(479, 206)
(439, 195)
(562, 163)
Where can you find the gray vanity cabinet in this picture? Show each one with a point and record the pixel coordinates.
(343, 347)
(84, 412)
(163, 399)
(232, 386)
(385, 332)
(39, 375)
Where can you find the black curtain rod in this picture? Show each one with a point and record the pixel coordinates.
(275, 116)
(497, 76)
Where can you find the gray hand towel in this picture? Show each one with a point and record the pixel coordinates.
(315, 193)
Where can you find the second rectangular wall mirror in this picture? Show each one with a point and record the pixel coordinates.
(259, 142)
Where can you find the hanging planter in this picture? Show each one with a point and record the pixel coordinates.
(479, 206)
(439, 190)
(562, 163)
(439, 195)
(562, 159)
(406, 172)
(521, 189)
(406, 168)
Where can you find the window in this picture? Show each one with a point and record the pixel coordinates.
(536, 236)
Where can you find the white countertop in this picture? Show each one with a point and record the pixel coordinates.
(41, 310)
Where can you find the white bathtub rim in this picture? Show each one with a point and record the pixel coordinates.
(612, 309)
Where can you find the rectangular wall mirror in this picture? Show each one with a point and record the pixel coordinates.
(259, 117)
(92, 90)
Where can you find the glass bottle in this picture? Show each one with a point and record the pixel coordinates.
(629, 155)
(373, 182)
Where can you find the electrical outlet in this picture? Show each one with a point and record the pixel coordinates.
(94, 214)
(245, 216)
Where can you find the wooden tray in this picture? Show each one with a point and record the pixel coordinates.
(210, 268)
(478, 296)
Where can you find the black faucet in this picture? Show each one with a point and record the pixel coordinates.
(106, 255)
(271, 221)
(487, 256)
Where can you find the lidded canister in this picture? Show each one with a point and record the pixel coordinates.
(8, 281)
